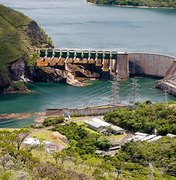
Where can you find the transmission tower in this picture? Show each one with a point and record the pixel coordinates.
(114, 98)
(134, 91)
(165, 96)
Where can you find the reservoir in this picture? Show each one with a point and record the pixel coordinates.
(76, 24)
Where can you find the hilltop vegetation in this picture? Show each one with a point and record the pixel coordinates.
(145, 118)
(135, 161)
(148, 3)
(19, 36)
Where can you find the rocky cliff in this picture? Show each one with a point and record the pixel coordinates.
(19, 35)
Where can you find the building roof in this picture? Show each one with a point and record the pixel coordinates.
(147, 138)
(116, 128)
(93, 124)
(140, 134)
(155, 138)
(102, 123)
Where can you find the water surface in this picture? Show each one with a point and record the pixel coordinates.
(76, 24)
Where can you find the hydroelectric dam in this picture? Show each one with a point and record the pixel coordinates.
(104, 64)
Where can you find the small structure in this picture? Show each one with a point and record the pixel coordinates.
(144, 137)
(66, 115)
(93, 125)
(171, 135)
(115, 148)
(138, 136)
(149, 137)
(97, 124)
(155, 139)
(116, 130)
(101, 122)
(105, 128)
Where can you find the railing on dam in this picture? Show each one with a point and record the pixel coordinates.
(105, 60)
(69, 53)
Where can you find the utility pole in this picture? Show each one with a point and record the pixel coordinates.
(114, 98)
(134, 91)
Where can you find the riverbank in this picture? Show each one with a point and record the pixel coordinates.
(131, 6)
(38, 117)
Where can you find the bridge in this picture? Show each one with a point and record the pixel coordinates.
(87, 63)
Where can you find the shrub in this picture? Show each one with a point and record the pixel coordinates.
(50, 121)
(18, 85)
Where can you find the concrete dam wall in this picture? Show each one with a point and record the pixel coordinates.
(104, 64)
(156, 65)
(88, 62)
(149, 64)
(105, 61)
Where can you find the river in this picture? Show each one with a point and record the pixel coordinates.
(76, 24)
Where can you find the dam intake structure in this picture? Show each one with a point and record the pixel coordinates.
(86, 63)
(105, 64)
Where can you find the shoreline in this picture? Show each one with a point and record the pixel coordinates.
(38, 117)
(128, 6)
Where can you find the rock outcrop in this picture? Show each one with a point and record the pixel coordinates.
(168, 83)
(17, 87)
(17, 70)
(167, 86)
(19, 37)
(48, 74)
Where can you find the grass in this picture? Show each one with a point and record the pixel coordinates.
(48, 136)
(13, 43)
(116, 138)
(17, 40)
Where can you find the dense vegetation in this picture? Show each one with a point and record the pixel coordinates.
(148, 3)
(18, 162)
(148, 159)
(50, 121)
(82, 140)
(19, 36)
(145, 118)
(135, 161)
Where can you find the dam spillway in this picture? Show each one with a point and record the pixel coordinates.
(106, 63)
(103, 64)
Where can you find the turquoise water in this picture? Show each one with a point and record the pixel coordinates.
(76, 24)
(58, 95)
(16, 123)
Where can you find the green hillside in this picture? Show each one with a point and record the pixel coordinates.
(18, 37)
(148, 3)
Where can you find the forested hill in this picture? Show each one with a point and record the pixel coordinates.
(148, 3)
(19, 35)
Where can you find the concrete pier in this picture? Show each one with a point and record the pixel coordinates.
(106, 63)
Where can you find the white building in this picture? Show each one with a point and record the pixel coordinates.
(101, 122)
(93, 125)
(117, 130)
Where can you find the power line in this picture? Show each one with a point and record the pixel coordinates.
(114, 99)
(134, 91)
(87, 91)
(165, 97)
